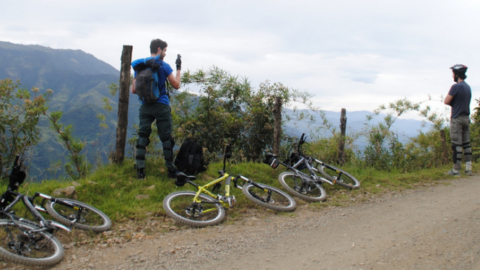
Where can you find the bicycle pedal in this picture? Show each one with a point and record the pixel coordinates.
(232, 201)
(300, 190)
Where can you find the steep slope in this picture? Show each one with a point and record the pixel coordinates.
(80, 83)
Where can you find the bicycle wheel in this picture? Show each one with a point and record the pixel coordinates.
(20, 244)
(86, 218)
(269, 197)
(304, 189)
(181, 207)
(332, 173)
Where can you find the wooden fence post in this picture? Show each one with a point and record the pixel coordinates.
(341, 145)
(277, 129)
(123, 99)
(444, 146)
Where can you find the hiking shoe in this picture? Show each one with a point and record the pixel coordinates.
(453, 173)
(141, 174)
(172, 174)
(469, 172)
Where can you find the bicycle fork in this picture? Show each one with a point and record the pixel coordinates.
(227, 199)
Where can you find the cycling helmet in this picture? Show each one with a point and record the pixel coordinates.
(459, 67)
(459, 71)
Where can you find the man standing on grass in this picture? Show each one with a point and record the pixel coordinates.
(459, 98)
(159, 110)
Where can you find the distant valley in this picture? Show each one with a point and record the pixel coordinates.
(80, 83)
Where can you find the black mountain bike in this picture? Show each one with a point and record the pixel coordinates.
(23, 241)
(335, 175)
(306, 186)
(30, 243)
(299, 161)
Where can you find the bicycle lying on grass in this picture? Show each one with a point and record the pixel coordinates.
(335, 175)
(31, 243)
(308, 186)
(203, 208)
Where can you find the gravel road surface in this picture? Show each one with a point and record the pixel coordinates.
(436, 227)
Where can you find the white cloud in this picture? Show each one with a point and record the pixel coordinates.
(350, 54)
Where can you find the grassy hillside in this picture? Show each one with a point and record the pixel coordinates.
(115, 190)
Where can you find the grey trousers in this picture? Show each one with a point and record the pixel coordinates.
(460, 136)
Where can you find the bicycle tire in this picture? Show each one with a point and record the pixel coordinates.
(178, 205)
(306, 190)
(17, 247)
(91, 220)
(331, 173)
(278, 200)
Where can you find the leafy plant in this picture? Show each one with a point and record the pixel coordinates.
(20, 111)
(74, 147)
(227, 107)
(475, 129)
(384, 151)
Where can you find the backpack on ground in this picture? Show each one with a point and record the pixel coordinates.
(189, 159)
(147, 85)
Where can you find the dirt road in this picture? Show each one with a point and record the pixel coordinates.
(430, 228)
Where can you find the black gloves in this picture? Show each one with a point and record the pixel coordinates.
(179, 62)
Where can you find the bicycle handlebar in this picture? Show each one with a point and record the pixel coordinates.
(16, 161)
(302, 140)
(16, 167)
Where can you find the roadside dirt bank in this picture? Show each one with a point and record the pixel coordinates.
(429, 228)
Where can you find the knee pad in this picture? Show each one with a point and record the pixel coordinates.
(142, 143)
(143, 139)
(141, 150)
(467, 148)
(457, 152)
(168, 144)
(168, 148)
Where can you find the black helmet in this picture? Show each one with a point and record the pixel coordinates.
(459, 67)
(459, 71)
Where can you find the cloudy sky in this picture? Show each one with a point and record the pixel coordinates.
(349, 53)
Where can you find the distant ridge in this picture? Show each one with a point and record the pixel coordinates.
(17, 58)
(356, 121)
(79, 82)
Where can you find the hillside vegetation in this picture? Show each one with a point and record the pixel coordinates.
(80, 84)
(115, 190)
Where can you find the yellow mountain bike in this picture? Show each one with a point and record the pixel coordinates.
(204, 208)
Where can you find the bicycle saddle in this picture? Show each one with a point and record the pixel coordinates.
(271, 160)
(183, 178)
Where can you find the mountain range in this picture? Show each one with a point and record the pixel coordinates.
(356, 123)
(80, 82)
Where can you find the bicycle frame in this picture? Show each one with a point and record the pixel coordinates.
(311, 169)
(307, 161)
(34, 209)
(29, 202)
(204, 189)
(227, 200)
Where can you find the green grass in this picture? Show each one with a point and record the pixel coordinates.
(114, 188)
